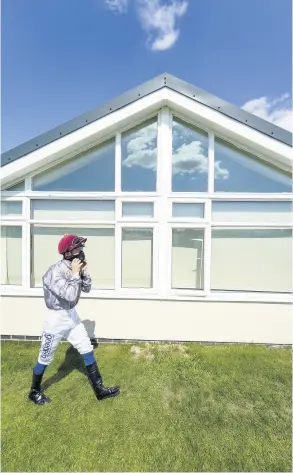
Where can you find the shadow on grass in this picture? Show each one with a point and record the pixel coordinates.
(73, 360)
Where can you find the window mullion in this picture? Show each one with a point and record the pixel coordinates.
(207, 259)
(118, 163)
(164, 188)
(28, 184)
(208, 248)
(26, 244)
(211, 161)
(118, 257)
(155, 256)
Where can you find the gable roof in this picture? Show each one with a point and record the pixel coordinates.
(159, 82)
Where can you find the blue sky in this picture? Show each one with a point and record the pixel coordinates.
(62, 58)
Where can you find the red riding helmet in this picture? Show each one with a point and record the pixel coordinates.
(70, 242)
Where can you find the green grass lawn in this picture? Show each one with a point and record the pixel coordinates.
(182, 407)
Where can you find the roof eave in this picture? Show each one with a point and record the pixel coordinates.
(159, 82)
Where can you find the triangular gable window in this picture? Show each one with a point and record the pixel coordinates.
(189, 158)
(238, 171)
(19, 187)
(139, 158)
(92, 171)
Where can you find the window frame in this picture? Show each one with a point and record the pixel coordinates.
(162, 222)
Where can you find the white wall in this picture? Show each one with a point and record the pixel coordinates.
(161, 320)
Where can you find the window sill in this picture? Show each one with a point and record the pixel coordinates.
(248, 297)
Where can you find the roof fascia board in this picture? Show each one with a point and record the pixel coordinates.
(83, 138)
(162, 81)
(84, 120)
(256, 142)
(247, 137)
(228, 109)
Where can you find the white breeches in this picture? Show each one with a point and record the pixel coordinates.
(60, 324)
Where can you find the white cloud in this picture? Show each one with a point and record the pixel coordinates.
(191, 156)
(142, 148)
(190, 159)
(277, 111)
(158, 19)
(117, 6)
(187, 159)
(220, 173)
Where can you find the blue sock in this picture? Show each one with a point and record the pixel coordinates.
(88, 358)
(39, 368)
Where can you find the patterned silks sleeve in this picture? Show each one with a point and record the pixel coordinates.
(62, 284)
(86, 283)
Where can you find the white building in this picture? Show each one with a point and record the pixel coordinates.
(187, 205)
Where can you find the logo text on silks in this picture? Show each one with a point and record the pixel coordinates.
(46, 345)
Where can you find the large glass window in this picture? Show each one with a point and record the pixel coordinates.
(247, 242)
(66, 210)
(11, 255)
(189, 158)
(92, 171)
(238, 171)
(137, 257)
(187, 258)
(251, 260)
(139, 158)
(99, 251)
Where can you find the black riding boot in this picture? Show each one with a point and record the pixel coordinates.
(94, 343)
(97, 383)
(35, 394)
